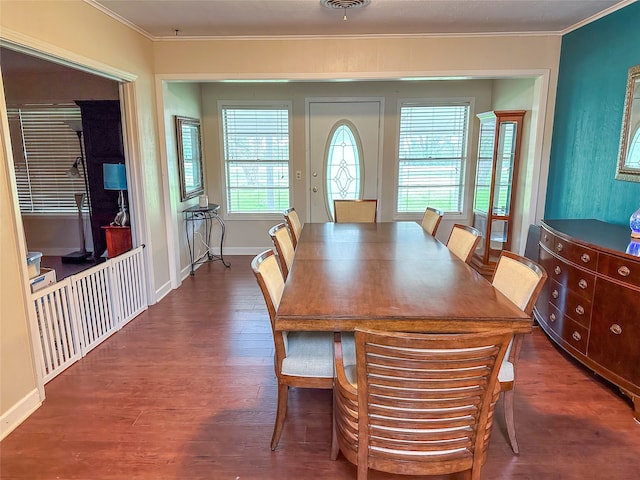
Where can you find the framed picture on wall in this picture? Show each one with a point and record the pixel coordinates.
(189, 157)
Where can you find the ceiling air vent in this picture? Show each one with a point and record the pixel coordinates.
(344, 4)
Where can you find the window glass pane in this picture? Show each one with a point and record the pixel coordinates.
(432, 157)
(343, 167)
(633, 157)
(49, 147)
(256, 151)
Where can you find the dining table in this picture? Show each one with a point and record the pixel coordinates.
(389, 276)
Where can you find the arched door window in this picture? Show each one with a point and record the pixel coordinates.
(343, 165)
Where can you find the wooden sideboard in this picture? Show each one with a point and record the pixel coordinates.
(591, 304)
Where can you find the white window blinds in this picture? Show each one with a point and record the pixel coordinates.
(256, 156)
(432, 157)
(49, 148)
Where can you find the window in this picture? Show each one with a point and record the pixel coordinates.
(432, 156)
(256, 158)
(343, 178)
(47, 150)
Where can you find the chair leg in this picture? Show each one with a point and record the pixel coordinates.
(281, 413)
(334, 434)
(508, 417)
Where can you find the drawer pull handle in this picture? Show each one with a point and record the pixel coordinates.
(583, 283)
(546, 238)
(557, 270)
(576, 336)
(555, 294)
(615, 328)
(624, 271)
(585, 258)
(552, 317)
(559, 247)
(580, 310)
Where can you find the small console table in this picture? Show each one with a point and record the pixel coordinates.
(207, 215)
(590, 304)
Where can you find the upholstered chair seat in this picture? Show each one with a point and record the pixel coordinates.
(355, 211)
(520, 280)
(463, 241)
(431, 220)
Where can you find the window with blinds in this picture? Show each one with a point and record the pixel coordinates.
(432, 156)
(256, 158)
(47, 149)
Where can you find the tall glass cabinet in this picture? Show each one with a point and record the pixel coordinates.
(495, 187)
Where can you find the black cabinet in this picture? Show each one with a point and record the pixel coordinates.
(102, 134)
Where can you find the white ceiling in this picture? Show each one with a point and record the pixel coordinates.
(251, 18)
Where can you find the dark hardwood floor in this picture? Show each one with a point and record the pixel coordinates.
(187, 391)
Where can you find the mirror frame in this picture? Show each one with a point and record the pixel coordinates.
(185, 126)
(623, 171)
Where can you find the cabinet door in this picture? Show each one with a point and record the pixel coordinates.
(615, 329)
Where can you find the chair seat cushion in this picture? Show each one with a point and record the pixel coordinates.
(309, 354)
(506, 372)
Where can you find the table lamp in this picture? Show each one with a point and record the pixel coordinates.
(115, 178)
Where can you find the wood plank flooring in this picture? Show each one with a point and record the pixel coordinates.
(187, 391)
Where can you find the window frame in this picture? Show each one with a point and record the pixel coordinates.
(262, 105)
(66, 150)
(467, 167)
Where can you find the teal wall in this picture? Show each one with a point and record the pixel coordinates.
(594, 62)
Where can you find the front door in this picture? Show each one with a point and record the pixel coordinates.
(344, 145)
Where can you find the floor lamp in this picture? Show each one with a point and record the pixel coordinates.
(81, 255)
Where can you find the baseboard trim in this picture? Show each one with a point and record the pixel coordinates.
(17, 414)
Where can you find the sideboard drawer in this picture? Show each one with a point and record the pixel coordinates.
(571, 332)
(576, 280)
(620, 269)
(583, 256)
(570, 303)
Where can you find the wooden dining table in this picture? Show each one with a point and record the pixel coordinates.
(389, 276)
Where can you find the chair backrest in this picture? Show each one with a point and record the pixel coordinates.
(426, 401)
(463, 241)
(294, 224)
(431, 220)
(519, 279)
(355, 211)
(284, 247)
(265, 268)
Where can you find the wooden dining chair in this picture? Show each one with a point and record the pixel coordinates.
(463, 241)
(355, 211)
(302, 359)
(294, 224)
(520, 280)
(283, 244)
(417, 404)
(431, 220)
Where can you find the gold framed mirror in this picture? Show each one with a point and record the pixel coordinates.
(629, 154)
(189, 157)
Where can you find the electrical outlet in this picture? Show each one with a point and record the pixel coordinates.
(298, 175)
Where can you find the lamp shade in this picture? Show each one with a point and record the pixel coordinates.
(115, 176)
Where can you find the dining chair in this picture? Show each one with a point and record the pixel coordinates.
(431, 220)
(355, 211)
(302, 359)
(283, 244)
(520, 280)
(463, 241)
(417, 404)
(294, 224)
